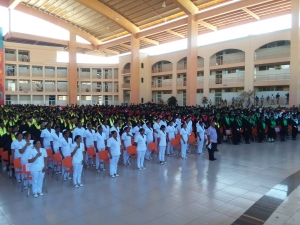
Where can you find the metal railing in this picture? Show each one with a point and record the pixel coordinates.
(125, 71)
(272, 55)
(62, 74)
(181, 67)
(161, 85)
(85, 75)
(127, 85)
(162, 68)
(181, 83)
(217, 62)
(10, 57)
(49, 74)
(272, 77)
(199, 82)
(37, 73)
(227, 80)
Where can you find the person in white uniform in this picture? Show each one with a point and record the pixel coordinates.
(16, 146)
(100, 144)
(88, 140)
(46, 136)
(136, 129)
(183, 140)
(189, 127)
(115, 128)
(156, 129)
(28, 145)
(105, 129)
(178, 123)
(113, 146)
(38, 161)
(171, 130)
(141, 143)
(77, 153)
(126, 141)
(163, 122)
(55, 144)
(149, 136)
(163, 139)
(79, 130)
(200, 136)
(65, 149)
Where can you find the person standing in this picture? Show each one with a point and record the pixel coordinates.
(88, 140)
(283, 127)
(268, 100)
(200, 136)
(17, 146)
(236, 130)
(261, 128)
(38, 159)
(77, 153)
(99, 143)
(271, 128)
(171, 130)
(140, 141)
(277, 98)
(248, 125)
(65, 150)
(262, 100)
(295, 125)
(163, 139)
(212, 138)
(113, 146)
(272, 100)
(183, 140)
(55, 144)
(126, 141)
(149, 136)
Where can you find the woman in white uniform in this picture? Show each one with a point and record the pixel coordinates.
(100, 144)
(77, 152)
(136, 129)
(46, 136)
(28, 145)
(88, 140)
(149, 136)
(200, 136)
(162, 134)
(141, 140)
(65, 149)
(126, 141)
(105, 129)
(113, 146)
(55, 144)
(16, 146)
(183, 140)
(38, 159)
(171, 130)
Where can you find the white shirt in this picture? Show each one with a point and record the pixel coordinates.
(25, 155)
(141, 142)
(46, 134)
(136, 130)
(163, 138)
(126, 139)
(171, 132)
(89, 137)
(66, 146)
(105, 129)
(178, 122)
(189, 127)
(163, 123)
(149, 134)
(201, 131)
(115, 129)
(78, 131)
(56, 140)
(156, 127)
(16, 146)
(100, 139)
(78, 156)
(39, 163)
(114, 146)
(184, 133)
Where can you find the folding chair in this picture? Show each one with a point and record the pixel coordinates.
(57, 162)
(92, 155)
(27, 177)
(50, 157)
(176, 145)
(132, 153)
(68, 166)
(104, 159)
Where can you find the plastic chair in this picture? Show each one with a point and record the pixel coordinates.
(193, 142)
(229, 134)
(254, 133)
(57, 162)
(17, 165)
(152, 147)
(104, 159)
(50, 157)
(27, 177)
(177, 136)
(68, 165)
(92, 155)
(132, 152)
(176, 145)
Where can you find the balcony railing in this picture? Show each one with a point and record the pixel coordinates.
(181, 83)
(97, 89)
(272, 77)
(162, 68)
(61, 74)
(50, 88)
(217, 62)
(181, 67)
(126, 72)
(227, 80)
(107, 76)
(85, 75)
(200, 64)
(161, 85)
(199, 82)
(62, 88)
(49, 74)
(272, 55)
(37, 73)
(10, 57)
(127, 85)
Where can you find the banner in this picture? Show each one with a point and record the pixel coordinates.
(1, 68)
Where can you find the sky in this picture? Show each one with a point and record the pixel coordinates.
(25, 23)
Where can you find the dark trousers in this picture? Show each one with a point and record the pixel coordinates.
(248, 133)
(236, 136)
(261, 135)
(271, 133)
(294, 132)
(211, 151)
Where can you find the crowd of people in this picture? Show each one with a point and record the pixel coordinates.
(28, 131)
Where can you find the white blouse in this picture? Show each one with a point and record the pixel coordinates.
(114, 146)
(100, 139)
(163, 138)
(16, 146)
(66, 146)
(78, 131)
(56, 140)
(78, 156)
(141, 142)
(149, 134)
(171, 132)
(39, 163)
(46, 135)
(25, 155)
(126, 139)
(184, 133)
(156, 127)
(89, 137)
(106, 130)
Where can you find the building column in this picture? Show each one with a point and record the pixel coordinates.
(206, 76)
(174, 80)
(249, 67)
(192, 54)
(72, 78)
(135, 70)
(295, 55)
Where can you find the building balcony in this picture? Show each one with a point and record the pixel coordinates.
(163, 68)
(10, 57)
(126, 86)
(227, 80)
(126, 72)
(162, 85)
(85, 75)
(181, 84)
(61, 74)
(200, 82)
(273, 78)
(49, 74)
(272, 55)
(233, 60)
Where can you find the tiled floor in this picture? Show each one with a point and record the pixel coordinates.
(193, 191)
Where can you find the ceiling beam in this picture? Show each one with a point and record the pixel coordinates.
(207, 25)
(110, 14)
(110, 51)
(114, 42)
(187, 6)
(13, 3)
(150, 41)
(251, 13)
(175, 33)
(125, 46)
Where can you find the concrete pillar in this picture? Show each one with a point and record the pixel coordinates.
(249, 67)
(72, 79)
(206, 76)
(295, 55)
(192, 53)
(135, 70)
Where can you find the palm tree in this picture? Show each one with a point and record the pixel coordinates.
(246, 97)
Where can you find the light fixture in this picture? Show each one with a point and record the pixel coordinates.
(164, 4)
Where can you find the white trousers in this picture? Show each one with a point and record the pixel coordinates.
(37, 181)
(65, 175)
(200, 144)
(170, 147)
(18, 176)
(161, 154)
(183, 148)
(98, 160)
(114, 165)
(77, 167)
(140, 159)
(87, 157)
(125, 156)
(148, 152)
